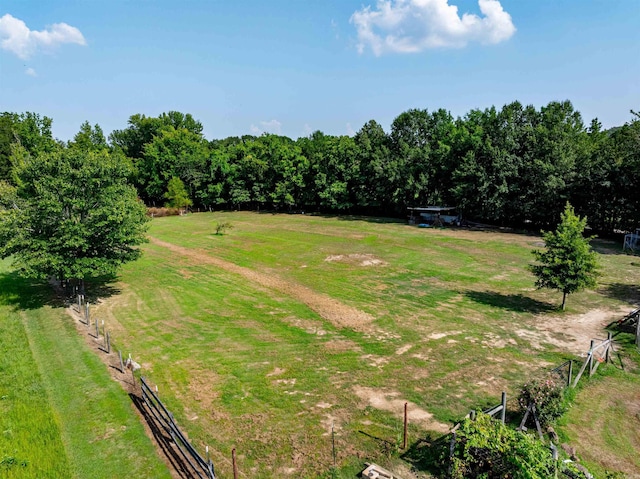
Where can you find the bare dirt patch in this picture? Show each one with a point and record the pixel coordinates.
(391, 402)
(337, 313)
(341, 345)
(356, 259)
(571, 333)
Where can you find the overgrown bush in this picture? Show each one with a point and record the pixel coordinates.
(221, 227)
(487, 449)
(547, 394)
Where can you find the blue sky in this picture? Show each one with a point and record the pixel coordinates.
(292, 67)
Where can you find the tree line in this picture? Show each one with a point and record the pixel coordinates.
(514, 166)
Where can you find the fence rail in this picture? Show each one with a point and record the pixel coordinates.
(192, 463)
(203, 468)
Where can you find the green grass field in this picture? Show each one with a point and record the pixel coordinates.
(61, 415)
(265, 338)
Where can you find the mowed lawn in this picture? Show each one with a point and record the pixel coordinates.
(287, 327)
(61, 415)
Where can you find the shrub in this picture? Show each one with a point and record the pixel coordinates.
(548, 396)
(486, 448)
(221, 227)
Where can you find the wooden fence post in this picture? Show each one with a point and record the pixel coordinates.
(235, 465)
(606, 354)
(503, 413)
(404, 436)
(591, 358)
(570, 372)
(121, 363)
(638, 331)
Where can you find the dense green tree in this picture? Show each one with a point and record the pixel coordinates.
(89, 138)
(547, 179)
(377, 168)
(173, 152)
(568, 264)
(29, 130)
(420, 144)
(176, 195)
(333, 170)
(624, 156)
(486, 179)
(142, 129)
(71, 215)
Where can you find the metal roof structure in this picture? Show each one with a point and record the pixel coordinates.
(431, 209)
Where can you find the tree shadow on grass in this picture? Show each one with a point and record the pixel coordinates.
(26, 293)
(629, 293)
(513, 302)
(429, 454)
(164, 441)
(102, 287)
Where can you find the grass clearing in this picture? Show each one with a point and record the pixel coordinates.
(252, 364)
(61, 415)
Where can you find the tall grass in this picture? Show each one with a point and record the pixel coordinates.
(61, 415)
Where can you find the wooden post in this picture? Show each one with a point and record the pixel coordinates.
(638, 331)
(86, 311)
(591, 358)
(108, 341)
(121, 363)
(535, 417)
(404, 435)
(570, 372)
(97, 329)
(606, 354)
(452, 446)
(235, 466)
(503, 413)
(472, 414)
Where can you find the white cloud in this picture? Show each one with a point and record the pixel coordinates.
(409, 26)
(31, 72)
(350, 130)
(271, 126)
(18, 39)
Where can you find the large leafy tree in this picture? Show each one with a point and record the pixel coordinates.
(568, 264)
(29, 130)
(72, 214)
(173, 152)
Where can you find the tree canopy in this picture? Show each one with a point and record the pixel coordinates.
(514, 166)
(568, 264)
(71, 215)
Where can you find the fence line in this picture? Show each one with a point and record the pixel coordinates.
(630, 323)
(203, 468)
(199, 467)
(599, 351)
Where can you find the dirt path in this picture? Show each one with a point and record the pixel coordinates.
(337, 313)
